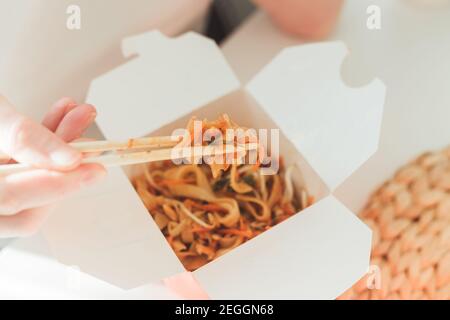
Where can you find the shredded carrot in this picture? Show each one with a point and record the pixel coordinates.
(213, 207)
(287, 209)
(242, 223)
(167, 163)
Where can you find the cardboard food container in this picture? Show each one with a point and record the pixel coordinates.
(327, 131)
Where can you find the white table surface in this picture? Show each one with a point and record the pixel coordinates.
(410, 54)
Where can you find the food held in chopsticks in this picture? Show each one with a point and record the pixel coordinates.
(134, 151)
(206, 210)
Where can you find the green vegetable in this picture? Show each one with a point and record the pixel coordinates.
(250, 180)
(220, 184)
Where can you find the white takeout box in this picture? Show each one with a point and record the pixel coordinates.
(327, 130)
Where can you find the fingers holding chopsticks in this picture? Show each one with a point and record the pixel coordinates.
(57, 113)
(27, 197)
(33, 144)
(36, 188)
(69, 122)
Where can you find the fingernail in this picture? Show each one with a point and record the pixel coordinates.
(92, 116)
(91, 177)
(64, 158)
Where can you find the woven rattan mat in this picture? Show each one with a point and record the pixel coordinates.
(410, 219)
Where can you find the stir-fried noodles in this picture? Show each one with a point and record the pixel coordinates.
(205, 211)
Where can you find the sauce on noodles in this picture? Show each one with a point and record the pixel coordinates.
(204, 211)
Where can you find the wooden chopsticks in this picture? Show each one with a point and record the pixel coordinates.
(131, 144)
(134, 151)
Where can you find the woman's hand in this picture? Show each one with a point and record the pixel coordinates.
(27, 197)
(311, 19)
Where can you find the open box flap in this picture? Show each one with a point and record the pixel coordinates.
(335, 127)
(106, 232)
(168, 78)
(316, 254)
